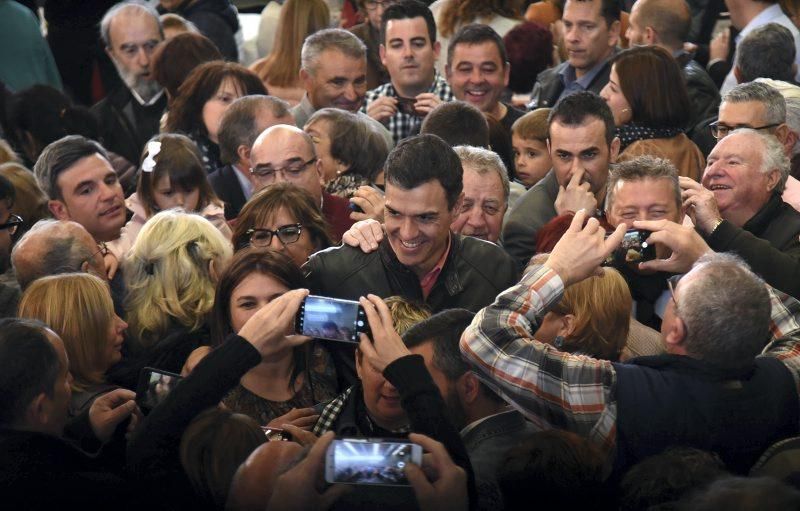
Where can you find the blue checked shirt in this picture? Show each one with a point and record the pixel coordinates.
(402, 125)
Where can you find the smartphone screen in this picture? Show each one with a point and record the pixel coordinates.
(374, 462)
(154, 386)
(633, 249)
(331, 318)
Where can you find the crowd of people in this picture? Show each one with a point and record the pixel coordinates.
(569, 230)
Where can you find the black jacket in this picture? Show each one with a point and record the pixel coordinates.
(548, 86)
(226, 186)
(769, 242)
(125, 125)
(704, 99)
(217, 20)
(474, 273)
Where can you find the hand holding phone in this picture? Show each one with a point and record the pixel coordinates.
(331, 318)
(266, 329)
(385, 345)
(633, 249)
(370, 461)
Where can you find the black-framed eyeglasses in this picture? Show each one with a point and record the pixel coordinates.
(287, 234)
(13, 223)
(371, 5)
(290, 171)
(672, 283)
(719, 131)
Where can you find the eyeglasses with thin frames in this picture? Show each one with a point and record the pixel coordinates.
(719, 131)
(672, 283)
(287, 234)
(291, 171)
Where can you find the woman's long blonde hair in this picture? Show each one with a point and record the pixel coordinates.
(169, 274)
(78, 307)
(298, 20)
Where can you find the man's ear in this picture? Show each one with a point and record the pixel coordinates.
(437, 48)
(773, 177)
(243, 152)
(382, 53)
(614, 150)
(58, 209)
(783, 133)
(649, 35)
(469, 387)
(506, 73)
(613, 33)
(37, 412)
(305, 78)
(675, 336)
(320, 174)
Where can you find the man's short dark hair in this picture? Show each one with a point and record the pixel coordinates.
(766, 52)
(575, 109)
(476, 33)
(609, 9)
(238, 124)
(457, 123)
(7, 192)
(444, 330)
(408, 9)
(59, 156)
(29, 366)
(424, 158)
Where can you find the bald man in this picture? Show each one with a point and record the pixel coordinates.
(666, 23)
(285, 153)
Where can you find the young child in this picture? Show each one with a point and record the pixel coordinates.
(529, 144)
(171, 175)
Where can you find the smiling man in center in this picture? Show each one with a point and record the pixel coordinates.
(420, 258)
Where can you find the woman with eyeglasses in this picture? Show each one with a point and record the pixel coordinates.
(284, 218)
(648, 98)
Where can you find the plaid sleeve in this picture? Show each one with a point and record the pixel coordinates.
(785, 331)
(551, 388)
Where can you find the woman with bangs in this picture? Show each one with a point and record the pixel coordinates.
(78, 307)
(202, 100)
(284, 218)
(170, 275)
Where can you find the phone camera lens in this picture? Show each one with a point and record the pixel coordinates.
(360, 323)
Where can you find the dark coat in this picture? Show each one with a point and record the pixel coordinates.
(226, 186)
(548, 86)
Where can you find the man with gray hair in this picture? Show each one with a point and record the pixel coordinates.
(716, 389)
(130, 114)
(738, 208)
(333, 70)
(486, 192)
(756, 106)
(766, 52)
(241, 124)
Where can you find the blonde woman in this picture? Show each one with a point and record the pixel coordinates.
(280, 69)
(170, 274)
(78, 307)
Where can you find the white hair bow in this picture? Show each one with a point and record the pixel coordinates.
(149, 163)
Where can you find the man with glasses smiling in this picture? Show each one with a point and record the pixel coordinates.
(286, 154)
